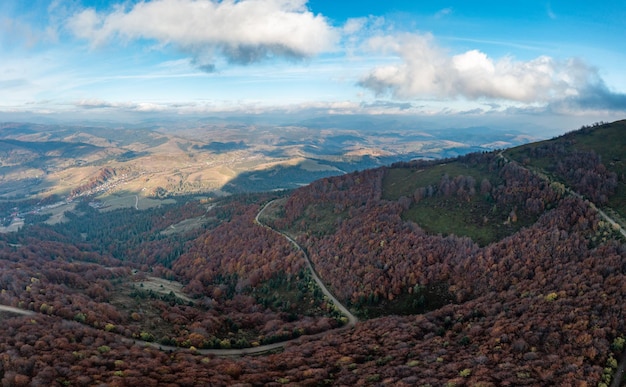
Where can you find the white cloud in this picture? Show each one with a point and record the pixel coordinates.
(354, 25)
(428, 71)
(443, 13)
(243, 31)
(15, 33)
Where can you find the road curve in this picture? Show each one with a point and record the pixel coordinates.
(611, 222)
(235, 352)
(352, 319)
(217, 352)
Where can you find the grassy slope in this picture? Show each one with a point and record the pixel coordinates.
(477, 218)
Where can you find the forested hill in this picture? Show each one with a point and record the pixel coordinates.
(592, 161)
(509, 240)
(494, 268)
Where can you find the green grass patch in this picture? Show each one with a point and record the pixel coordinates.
(318, 219)
(478, 219)
(399, 182)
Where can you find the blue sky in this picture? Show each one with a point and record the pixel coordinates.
(546, 62)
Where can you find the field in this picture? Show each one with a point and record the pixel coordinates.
(127, 200)
(404, 181)
(163, 287)
(187, 225)
(37, 161)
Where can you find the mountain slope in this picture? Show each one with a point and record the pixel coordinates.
(475, 270)
(592, 161)
(37, 161)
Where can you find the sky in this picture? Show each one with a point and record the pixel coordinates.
(542, 62)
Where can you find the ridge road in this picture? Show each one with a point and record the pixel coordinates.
(570, 191)
(621, 367)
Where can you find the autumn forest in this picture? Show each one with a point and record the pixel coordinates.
(500, 268)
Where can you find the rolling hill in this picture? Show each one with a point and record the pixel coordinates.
(486, 269)
(38, 161)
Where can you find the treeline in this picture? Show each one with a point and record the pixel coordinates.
(130, 235)
(370, 253)
(583, 171)
(516, 187)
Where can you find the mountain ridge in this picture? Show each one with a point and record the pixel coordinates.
(482, 269)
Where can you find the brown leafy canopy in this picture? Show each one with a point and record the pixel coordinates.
(590, 160)
(371, 254)
(538, 307)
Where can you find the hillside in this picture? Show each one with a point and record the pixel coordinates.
(39, 161)
(489, 269)
(591, 161)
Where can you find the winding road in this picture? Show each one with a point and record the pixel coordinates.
(235, 352)
(216, 352)
(352, 319)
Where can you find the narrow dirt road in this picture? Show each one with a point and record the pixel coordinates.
(238, 351)
(621, 368)
(571, 192)
(352, 319)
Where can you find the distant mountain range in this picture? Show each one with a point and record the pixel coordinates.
(39, 160)
(501, 267)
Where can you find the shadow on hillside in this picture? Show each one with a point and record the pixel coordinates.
(222, 147)
(306, 171)
(276, 178)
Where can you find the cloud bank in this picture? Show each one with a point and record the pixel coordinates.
(243, 31)
(428, 71)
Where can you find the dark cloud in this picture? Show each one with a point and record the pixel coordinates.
(207, 68)
(204, 67)
(598, 97)
(247, 54)
(95, 104)
(473, 112)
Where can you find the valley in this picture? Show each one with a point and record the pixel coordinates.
(70, 162)
(310, 193)
(500, 267)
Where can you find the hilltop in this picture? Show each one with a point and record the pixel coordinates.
(37, 161)
(491, 268)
